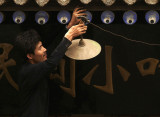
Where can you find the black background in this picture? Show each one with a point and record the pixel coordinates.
(138, 96)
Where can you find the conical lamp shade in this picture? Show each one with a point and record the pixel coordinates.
(90, 50)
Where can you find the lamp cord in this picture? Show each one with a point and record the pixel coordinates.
(118, 35)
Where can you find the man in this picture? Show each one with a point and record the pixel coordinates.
(33, 76)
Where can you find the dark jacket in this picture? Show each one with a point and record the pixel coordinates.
(33, 83)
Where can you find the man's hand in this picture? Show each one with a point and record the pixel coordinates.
(77, 12)
(75, 31)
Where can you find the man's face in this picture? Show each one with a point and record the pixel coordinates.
(40, 54)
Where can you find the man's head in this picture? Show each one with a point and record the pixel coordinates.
(31, 46)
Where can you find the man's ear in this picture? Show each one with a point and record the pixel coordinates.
(30, 56)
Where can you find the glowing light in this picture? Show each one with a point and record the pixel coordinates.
(64, 17)
(88, 16)
(152, 17)
(85, 1)
(2, 2)
(107, 17)
(19, 17)
(130, 17)
(108, 2)
(42, 3)
(41, 17)
(151, 2)
(20, 2)
(1, 17)
(63, 2)
(130, 2)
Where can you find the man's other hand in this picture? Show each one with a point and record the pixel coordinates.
(76, 13)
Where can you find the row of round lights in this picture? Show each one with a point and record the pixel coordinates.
(65, 2)
(107, 17)
(130, 17)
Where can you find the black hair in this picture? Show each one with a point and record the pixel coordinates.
(26, 42)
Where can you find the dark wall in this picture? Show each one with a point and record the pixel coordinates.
(139, 95)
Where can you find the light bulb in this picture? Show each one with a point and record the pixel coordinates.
(85, 1)
(108, 2)
(151, 2)
(88, 16)
(63, 2)
(130, 17)
(20, 2)
(42, 3)
(152, 17)
(1, 17)
(41, 17)
(63, 17)
(107, 17)
(19, 17)
(130, 2)
(2, 2)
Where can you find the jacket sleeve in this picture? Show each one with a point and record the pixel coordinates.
(56, 41)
